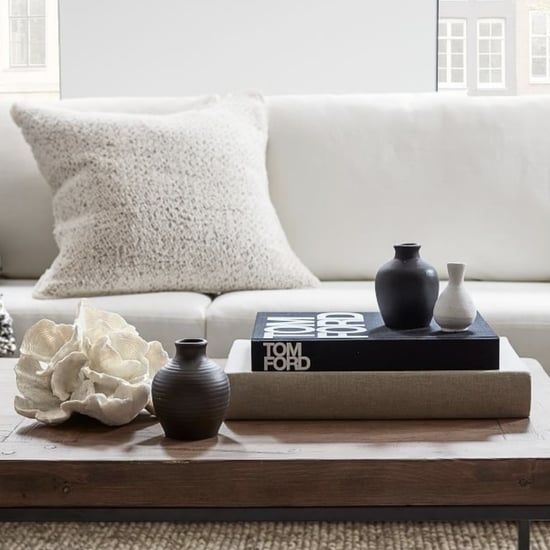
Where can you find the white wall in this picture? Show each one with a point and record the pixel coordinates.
(181, 47)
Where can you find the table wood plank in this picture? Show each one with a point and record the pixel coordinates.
(277, 463)
(235, 483)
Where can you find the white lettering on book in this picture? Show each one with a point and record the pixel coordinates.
(335, 324)
(280, 327)
(281, 356)
(340, 325)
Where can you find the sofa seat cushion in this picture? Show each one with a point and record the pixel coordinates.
(163, 316)
(520, 311)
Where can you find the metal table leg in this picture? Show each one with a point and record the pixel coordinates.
(524, 534)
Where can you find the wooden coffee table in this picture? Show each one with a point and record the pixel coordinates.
(261, 470)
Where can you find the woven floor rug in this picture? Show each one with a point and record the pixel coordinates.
(267, 536)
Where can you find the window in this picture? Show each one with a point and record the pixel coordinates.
(27, 28)
(539, 45)
(452, 53)
(490, 53)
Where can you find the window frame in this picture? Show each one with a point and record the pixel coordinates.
(28, 18)
(533, 79)
(491, 85)
(449, 85)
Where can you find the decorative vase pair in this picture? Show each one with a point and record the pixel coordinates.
(190, 393)
(407, 291)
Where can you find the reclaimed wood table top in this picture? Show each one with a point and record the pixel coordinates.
(277, 463)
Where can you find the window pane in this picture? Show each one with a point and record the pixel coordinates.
(442, 76)
(496, 45)
(442, 30)
(18, 42)
(442, 46)
(37, 7)
(538, 67)
(457, 61)
(457, 46)
(18, 7)
(538, 23)
(457, 29)
(442, 61)
(496, 61)
(484, 29)
(483, 46)
(484, 76)
(539, 46)
(457, 76)
(37, 54)
(497, 28)
(496, 77)
(484, 61)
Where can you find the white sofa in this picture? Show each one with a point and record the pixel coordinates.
(350, 176)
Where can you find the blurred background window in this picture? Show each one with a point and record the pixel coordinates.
(27, 42)
(485, 47)
(501, 47)
(29, 52)
(452, 53)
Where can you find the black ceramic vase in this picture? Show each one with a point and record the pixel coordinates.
(190, 393)
(406, 289)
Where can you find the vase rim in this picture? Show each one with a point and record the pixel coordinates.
(407, 245)
(191, 342)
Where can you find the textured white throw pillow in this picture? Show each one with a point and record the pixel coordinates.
(146, 203)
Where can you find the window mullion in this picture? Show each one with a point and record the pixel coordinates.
(28, 36)
(449, 60)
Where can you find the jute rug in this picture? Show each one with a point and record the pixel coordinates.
(267, 536)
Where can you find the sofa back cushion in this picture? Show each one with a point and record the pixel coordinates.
(468, 178)
(27, 246)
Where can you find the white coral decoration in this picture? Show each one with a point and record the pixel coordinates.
(99, 367)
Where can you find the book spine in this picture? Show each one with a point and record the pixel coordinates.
(377, 396)
(374, 355)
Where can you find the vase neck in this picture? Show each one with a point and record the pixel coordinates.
(456, 273)
(190, 349)
(407, 251)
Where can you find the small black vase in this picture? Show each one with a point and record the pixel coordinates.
(190, 393)
(406, 289)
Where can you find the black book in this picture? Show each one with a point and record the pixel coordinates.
(347, 341)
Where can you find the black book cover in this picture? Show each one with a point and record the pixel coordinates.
(348, 341)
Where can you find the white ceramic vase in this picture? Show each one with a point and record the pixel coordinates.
(454, 310)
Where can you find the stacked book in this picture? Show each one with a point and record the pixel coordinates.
(347, 365)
